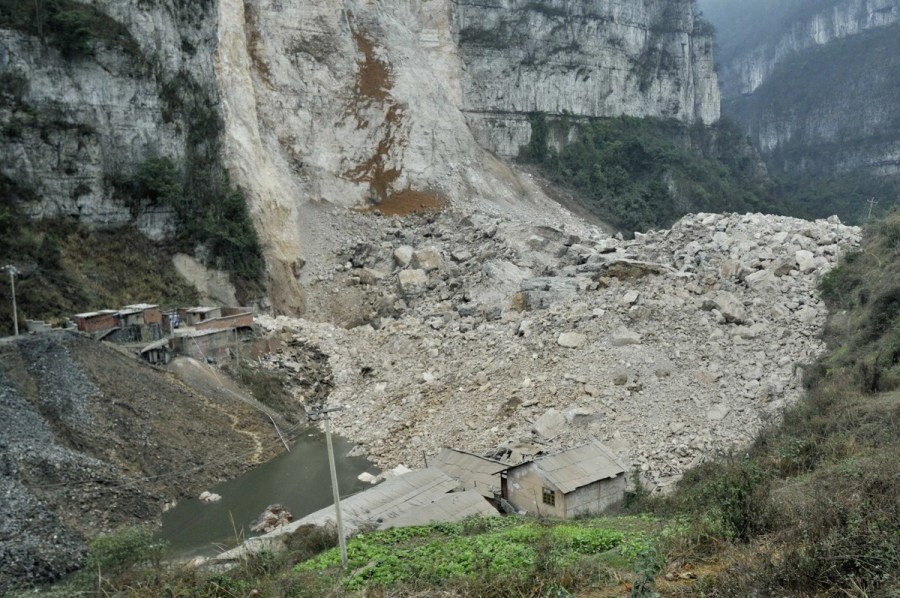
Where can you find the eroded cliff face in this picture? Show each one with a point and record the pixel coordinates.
(76, 127)
(822, 94)
(336, 104)
(581, 59)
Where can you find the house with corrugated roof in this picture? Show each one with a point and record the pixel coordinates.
(583, 480)
(473, 472)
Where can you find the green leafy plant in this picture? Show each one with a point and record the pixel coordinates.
(122, 550)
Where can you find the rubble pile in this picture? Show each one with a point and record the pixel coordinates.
(493, 336)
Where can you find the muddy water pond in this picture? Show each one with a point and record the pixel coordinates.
(299, 480)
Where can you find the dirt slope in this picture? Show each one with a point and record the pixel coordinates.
(91, 439)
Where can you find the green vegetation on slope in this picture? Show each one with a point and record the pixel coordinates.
(642, 173)
(814, 506)
(67, 268)
(207, 212)
(496, 557)
(72, 27)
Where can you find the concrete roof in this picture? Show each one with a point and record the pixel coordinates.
(473, 471)
(455, 506)
(94, 314)
(201, 310)
(163, 342)
(571, 469)
(141, 306)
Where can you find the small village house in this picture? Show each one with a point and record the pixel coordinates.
(195, 315)
(583, 480)
(473, 472)
(95, 321)
(140, 314)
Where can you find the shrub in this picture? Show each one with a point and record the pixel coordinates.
(733, 495)
(73, 27)
(115, 553)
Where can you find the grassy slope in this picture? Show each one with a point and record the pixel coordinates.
(814, 505)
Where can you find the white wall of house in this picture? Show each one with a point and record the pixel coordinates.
(596, 497)
(525, 491)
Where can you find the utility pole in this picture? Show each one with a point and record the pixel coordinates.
(13, 271)
(324, 412)
(872, 203)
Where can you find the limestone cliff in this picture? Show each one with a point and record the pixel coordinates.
(76, 124)
(819, 92)
(328, 105)
(582, 59)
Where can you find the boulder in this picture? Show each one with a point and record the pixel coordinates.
(427, 259)
(538, 293)
(623, 337)
(549, 425)
(403, 255)
(412, 283)
(631, 297)
(271, 519)
(762, 280)
(717, 412)
(806, 261)
(571, 340)
(730, 307)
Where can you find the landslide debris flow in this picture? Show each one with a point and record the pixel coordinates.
(92, 439)
(504, 338)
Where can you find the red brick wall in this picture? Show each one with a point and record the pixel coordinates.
(153, 316)
(104, 322)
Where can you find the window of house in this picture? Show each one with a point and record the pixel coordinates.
(549, 497)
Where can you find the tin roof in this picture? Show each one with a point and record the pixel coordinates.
(571, 469)
(454, 506)
(161, 343)
(473, 471)
(94, 314)
(415, 498)
(141, 306)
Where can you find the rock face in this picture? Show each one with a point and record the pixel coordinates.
(746, 71)
(74, 127)
(581, 59)
(315, 104)
(818, 91)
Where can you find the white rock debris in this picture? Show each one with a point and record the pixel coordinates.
(669, 348)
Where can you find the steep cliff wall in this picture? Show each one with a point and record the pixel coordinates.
(832, 107)
(813, 23)
(78, 119)
(591, 58)
(330, 104)
(818, 93)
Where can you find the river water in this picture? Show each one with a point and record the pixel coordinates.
(299, 480)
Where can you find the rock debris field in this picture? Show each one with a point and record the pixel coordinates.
(500, 338)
